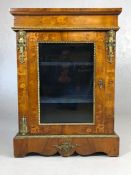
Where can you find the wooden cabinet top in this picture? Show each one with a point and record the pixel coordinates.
(65, 11)
(65, 18)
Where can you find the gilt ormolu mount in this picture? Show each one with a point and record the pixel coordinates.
(66, 76)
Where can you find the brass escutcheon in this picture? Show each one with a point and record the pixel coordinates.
(101, 84)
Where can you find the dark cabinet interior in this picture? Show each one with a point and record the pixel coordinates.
(66, 72)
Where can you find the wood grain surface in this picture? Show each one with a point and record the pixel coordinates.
(66, 25)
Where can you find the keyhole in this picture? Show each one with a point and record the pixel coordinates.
(101, 84)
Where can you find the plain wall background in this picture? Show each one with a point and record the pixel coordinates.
(8, 78)
(93, 165)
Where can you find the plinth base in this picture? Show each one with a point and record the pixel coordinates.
(66, 145)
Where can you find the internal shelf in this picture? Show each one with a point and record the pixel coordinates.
(65, 63)
(79, 99)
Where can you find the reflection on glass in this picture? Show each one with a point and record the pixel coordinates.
(66, 82)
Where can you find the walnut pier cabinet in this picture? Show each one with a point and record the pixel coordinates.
(66, 79)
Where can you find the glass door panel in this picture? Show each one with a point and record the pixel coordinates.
(66, 76)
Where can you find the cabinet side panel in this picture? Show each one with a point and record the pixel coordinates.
(22, 69)
(109, 83)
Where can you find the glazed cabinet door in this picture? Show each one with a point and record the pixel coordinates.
(66, 82)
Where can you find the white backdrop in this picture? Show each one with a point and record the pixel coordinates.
(8, 88)
(8, 81)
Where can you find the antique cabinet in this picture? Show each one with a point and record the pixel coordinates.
(66, 79)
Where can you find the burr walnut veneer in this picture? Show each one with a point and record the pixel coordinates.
(66, 79)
